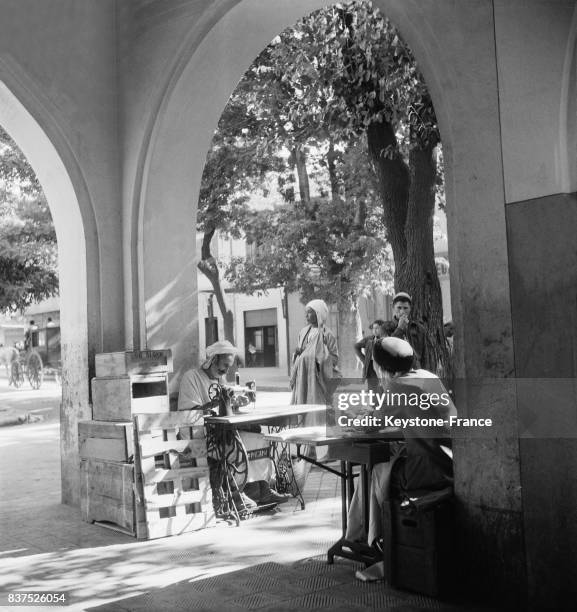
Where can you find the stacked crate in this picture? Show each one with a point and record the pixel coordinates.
(126, 384)
(107, 473)
(172, 476)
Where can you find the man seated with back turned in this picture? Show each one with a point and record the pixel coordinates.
(403, 327)
(424, 461)
(194, 393)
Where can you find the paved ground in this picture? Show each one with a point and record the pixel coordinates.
(28, 405)
(271, 562)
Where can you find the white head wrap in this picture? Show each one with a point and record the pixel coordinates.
(224, 347)
(321, 309)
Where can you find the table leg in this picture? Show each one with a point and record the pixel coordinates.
(356, 551)
(388, 541)
(344, 505)
(286, 479)
(365, 499)
(350, 482)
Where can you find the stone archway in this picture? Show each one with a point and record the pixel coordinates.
(463, 82)
(193, 102)
(73, 225)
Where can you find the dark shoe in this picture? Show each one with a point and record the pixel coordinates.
(242, 501)
(272, 497)
(253, 489)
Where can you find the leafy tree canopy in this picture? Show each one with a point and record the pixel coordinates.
(315, 249)
(334, 73)
(340, 75)
(28, 253)
(332, 249)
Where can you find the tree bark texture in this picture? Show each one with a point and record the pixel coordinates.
(393, 179)
(408, 200)
(420, 271)
(333, 177)
(208, 266)
(302, 174)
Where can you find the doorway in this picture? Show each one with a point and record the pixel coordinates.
(261, 338)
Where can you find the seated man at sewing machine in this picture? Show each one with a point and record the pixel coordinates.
(195, 393)
(425, 460)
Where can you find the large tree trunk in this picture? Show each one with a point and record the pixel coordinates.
(420, 272)
(302, 174)
(393, 178)
(208, 266)
(408, 200)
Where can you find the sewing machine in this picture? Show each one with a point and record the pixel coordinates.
(232, 398)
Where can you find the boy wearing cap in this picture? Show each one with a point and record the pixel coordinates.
(403, 327)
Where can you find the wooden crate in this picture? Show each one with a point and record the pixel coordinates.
(119, 398)
(172, 477)
(106, 440)
(107, 493)
(133, 362)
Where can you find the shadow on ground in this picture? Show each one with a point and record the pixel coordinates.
(309, 584)
(270, 562)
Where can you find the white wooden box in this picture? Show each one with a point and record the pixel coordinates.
(118, 398)
(107, 493)
(125, 363)
(106, 440)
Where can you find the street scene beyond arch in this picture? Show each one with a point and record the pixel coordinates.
(241, 335)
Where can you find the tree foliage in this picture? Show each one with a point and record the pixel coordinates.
(28, 254)
(233, 169)
(333, 249)
(316, 249)
(341, 74)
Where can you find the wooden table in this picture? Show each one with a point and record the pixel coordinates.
(223, 434)
(267, 415)
(364, 449)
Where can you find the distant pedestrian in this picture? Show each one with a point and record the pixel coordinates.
(364, 351)
(29, 335)
(314, 373)
(316, 358)
(251, 354)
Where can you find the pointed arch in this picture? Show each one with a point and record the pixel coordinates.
(25, 115)
(568, 113)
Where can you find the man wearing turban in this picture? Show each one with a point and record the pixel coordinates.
(194, 394)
